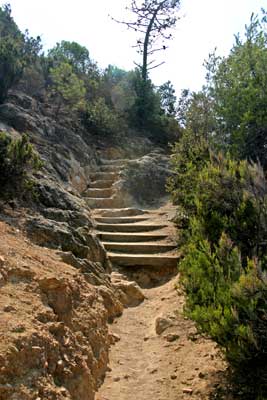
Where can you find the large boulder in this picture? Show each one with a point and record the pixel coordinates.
(143, 180)
(128, 293)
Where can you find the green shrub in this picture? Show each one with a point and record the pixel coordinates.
(101, 120)
(207, 276)
(17, 51)
(224, 246)
(17, 161)
(230, 305)
(66, 88)
(225, 203)
(189, 155)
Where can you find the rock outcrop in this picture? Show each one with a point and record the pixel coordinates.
(143, 181)
(54, 332)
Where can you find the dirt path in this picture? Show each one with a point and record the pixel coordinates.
(147, 366)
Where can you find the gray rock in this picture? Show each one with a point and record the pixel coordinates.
(111, 303)
(55, 235)
(144, 180)
(94, 272)
(74, 218)
(161, 324)
(129, 293)
(52, 195)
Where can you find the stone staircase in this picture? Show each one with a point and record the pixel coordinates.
(131, 236)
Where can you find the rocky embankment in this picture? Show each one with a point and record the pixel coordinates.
(54, 334)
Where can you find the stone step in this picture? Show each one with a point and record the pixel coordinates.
(121, 220)
(128, 227)
(118, 161)
(130, 237)
(99, 184)
(111, 168)
(122, 212)
(95, 176)
(94, 202)
(135, 248)
(99, 193)
(144, 260)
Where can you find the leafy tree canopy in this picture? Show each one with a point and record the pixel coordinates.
(74, 54)
(17, 51)
(67, 87)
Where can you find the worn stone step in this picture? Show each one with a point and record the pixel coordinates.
(121, 220)
(111, 167)
(99, 184)
(118, 161)
(135, 248)
(129, 227)
(94, 202)
(130, 237)
(99, 192)
(122, 212)
(95, 176)
(144, 260)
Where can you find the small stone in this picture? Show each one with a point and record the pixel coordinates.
(201, 375)
(9, 308)
(18, 329)
(171, 337)
(153, 371)
(146, 338)
(2, 261)
(173, 376)
(161, 324)
(114, 338)
(36, 348)
(126, 376)
(187, 390)
(2, 280)
(116, 379)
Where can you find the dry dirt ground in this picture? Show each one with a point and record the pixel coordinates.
(176, 364)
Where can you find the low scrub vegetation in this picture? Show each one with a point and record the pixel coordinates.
(18, 160)
(220, 188)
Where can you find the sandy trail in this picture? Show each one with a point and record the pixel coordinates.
(173, 365)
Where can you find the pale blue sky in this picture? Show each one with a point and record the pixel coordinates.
(204, 25)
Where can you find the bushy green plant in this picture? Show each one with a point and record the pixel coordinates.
(224, 203)
(229, 304)
(18, 160)
(207, 275)
(67, 88)
(102, 120)
(189, 155)
(224, 246)
(17, 51)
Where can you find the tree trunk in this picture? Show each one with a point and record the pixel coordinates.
(146, 41)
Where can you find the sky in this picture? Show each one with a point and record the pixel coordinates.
(203, 25)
